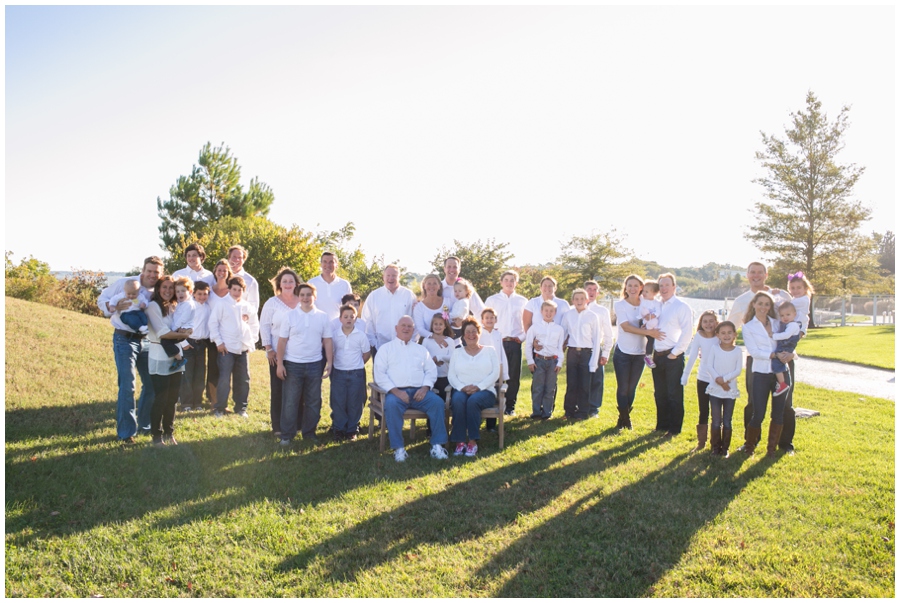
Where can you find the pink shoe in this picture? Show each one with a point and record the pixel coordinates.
(781, 389)
(471, 449)
(648, 360)
(460, 449)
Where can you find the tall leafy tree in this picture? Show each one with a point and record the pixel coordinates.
(809, 220)
(482, 263)
(364, 275)
(599, 256)
(211, 192)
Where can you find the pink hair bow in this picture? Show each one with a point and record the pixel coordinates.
(797, 274)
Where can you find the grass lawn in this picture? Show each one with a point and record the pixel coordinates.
(564, 510)
(871, 346)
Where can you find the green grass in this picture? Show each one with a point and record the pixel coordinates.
(870, 346)
(564, 510)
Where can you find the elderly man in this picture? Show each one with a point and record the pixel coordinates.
(405, 370)
(130, 350)
(385, 306)
(451, 275)
(509, 306)
(757, 274)
(672, 339)
(330, 288)
(606, 345)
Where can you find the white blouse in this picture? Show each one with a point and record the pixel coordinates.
(701, 346)
(759, 345)
(270, 320)
(629, 343)
(158, 325)
(481, 370)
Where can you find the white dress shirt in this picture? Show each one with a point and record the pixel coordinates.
(201, 321)
(481, 370)
(383, 309)
(328, 295)
(194, 275)
(629, 343)
(115, 289)
(495, 340)
(726, 365)
(403, 364)
(227, 325)
(583, 331)
(304, 332)
(349, 349)
(534, 306)
(550, 336)
(759, 345)
(606, 333)
(509, 313)
(676, 320)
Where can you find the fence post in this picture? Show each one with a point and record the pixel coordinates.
(843, 311)
(874, 310)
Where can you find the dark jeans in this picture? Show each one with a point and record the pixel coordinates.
(162, 418)
(233, 365)
(514, 355)
(348, 396)
(194, 380)
(543, 387)
(597, 389)
(790, 420)
(302, 389)
(763, 385)
(131, 352)
(576, 402)
(466, 410)
(668, 392)
(212, 368)
(628, 368)
(702, 402)
(276, 395)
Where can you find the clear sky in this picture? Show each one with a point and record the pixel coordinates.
(425, 124)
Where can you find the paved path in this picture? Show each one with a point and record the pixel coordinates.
(839, 376)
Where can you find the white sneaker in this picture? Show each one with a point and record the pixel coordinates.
(400, 455)
(438, 452)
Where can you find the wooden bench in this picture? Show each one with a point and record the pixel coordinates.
(495, 412)
(376, 409)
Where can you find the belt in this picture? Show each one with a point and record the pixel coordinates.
(663, 352)
(582, 349)
(129, 334)
(546, 357)
(515, 339)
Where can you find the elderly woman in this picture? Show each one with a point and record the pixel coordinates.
(474, 370)
(166, 381)
(273, 314)
(628, 359)
(758, 328)
(432, 303)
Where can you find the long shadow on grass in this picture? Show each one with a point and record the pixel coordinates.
(52, 420)
(619, 543)
(464, 511)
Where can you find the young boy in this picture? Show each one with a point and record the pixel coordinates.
(543, 353)
(194, 350)
(234, 328)
(582, 328)
(650, 310)
(182, 321)
(491, 337)
(348, 377)
(134, 317)
(787, 340)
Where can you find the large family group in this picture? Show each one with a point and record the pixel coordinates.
(190, 333)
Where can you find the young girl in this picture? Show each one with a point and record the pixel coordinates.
(462, 290)
(801, 290)
(723, 363)
(702, 345)
(440, 344)
(793, 325)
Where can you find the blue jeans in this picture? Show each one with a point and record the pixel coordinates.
(236, 365)
(431, 405)
(134, 319)
(543, 387)
(194, 379)
(578, 383)
(348, 396)
(131, 353)
(628, 368)
(722, 411)
(302, 386)
(466, 409)
(668, 392)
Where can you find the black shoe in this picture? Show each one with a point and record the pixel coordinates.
(510, 412)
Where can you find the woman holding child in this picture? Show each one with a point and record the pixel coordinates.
(432, 303)
(474, 370)
(628, 359)
(273, 314)
(758, 329)
(166, 380)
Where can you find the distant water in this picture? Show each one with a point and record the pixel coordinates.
(698, 305)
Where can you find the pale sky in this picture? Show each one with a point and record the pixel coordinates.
(427, 124)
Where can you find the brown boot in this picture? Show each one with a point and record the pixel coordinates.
(702, 430)
(753, 436)
(715, 439)
(726, 442)
(774, 436)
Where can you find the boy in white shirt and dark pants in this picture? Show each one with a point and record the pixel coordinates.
(544, 355)
(582, 329)
(234, 328)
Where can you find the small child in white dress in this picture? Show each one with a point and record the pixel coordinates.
(650, 310)
(134, 316)
(462, 291)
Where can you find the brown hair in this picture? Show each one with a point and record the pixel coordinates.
(185, 282)
(164, 306)
(236, 280)
(198, 248)
(707, 313)
(751, 311)
(227, 267)
(469, 321)
(276, 282)
(726, 323)
(447, 332)
(625, 284)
